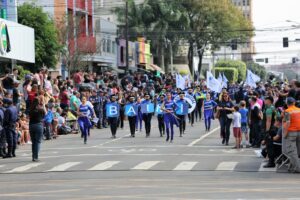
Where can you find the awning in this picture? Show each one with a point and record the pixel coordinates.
(157, 68)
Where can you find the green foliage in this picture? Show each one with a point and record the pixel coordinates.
(239, 65)
(230, 73)
(257, 69)
(47, 45)
(22, 72)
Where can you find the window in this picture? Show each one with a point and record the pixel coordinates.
(104, 45)
(108, 45)
(122, 54)
(113, 47)
(244, 2)
(101, 3)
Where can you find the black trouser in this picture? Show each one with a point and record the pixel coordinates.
(199, 109)
(161, 124)
(192, 117)
(132, 124)
(113, 122)
(273, 150)
(147, 119)
(11, 138)
(48, 131)
(121, 118)
(2, 143)
(225, 123)
(255, 133)
(182, 123)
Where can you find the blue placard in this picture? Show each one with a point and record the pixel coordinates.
(182, 108)
(112, 110)
(158, 110)
(147, 108)
(131, 110)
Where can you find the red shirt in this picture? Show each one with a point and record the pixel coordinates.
(64, 98)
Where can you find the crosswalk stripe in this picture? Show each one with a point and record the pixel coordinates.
(104, 166)
(262, 169)
(185, 166)
(63, 167)
(226, 166)
(146, 165)
(25, 167)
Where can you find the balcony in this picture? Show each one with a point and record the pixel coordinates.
(85, 45)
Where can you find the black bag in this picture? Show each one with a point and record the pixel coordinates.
(64, 130)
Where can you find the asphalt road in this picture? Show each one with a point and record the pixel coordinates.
(196, 166)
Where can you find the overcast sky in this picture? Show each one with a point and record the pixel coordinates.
(274, 14)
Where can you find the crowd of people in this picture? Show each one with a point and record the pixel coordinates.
(44, 107)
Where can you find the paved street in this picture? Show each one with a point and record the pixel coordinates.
(196, 166)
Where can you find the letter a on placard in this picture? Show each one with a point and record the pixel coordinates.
(131, 111)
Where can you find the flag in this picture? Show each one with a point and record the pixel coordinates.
(220, 78)
(180, 82)
(224, 81)
(187, 80)
(212, 83)
(252, 79)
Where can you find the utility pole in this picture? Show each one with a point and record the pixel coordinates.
(127, 38)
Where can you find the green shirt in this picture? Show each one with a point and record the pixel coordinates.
(269, 111)
(73, 100)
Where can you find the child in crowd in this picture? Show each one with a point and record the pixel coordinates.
(48, 123)
(237, 127)
(244, 124)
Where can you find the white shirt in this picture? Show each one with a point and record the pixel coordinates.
(237, 119)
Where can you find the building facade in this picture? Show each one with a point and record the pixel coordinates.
(16, 41)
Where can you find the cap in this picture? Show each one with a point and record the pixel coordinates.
(7, 101)
(290, 100)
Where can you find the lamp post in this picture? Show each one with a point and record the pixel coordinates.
(127, 37)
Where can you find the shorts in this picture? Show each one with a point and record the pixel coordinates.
(237, 132)
(244, 128)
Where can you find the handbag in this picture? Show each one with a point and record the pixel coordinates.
(230, 116)
(217, 114)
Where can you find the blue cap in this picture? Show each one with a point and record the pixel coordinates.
(290, 100)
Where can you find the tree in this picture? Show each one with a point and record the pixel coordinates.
(47, 47)
(212, 24)
(257, 69)
(236, 64)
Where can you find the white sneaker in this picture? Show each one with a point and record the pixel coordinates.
(29, 142)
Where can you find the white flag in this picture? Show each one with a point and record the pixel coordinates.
(225, 79)
(220, 79)
(212, 83)
(180, 82)
(252, 79)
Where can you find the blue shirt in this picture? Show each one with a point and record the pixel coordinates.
(244, 114)
(169, 105)
(209, 105)
(84, 109)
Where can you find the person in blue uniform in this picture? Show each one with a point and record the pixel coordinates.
(192, 114)
(96, 101)
(181, 118)
(139, 117)
(83, 119)
(208, 108)
(169, 117)
(113, 121)
(132, 119)
(160, 117)
(147, 116)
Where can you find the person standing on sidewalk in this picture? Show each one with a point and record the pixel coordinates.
(292, 134)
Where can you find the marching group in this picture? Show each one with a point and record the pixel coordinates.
(259, 117)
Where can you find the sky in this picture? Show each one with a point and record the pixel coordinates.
(273, 15)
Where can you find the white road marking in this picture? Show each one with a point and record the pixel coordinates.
(2, 166)
(203, 137)
(114, 140)
(185, 166)
(146, 165)
(25, 167)
(104, 166)
(262, 169)
(226, 166)
(63, 167)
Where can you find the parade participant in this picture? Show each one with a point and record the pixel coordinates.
(208, 109)
(147, 116)
(36, 129)
(192, 114)
(83, 119)
(96, 101)
(132, 116)
(160, 116)
(169, 107)
(139, 118)
(113, 120)
(121, 102)
(181, 117)
(199, 99)
(225, 108)
(9, 125)
(292, 134)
